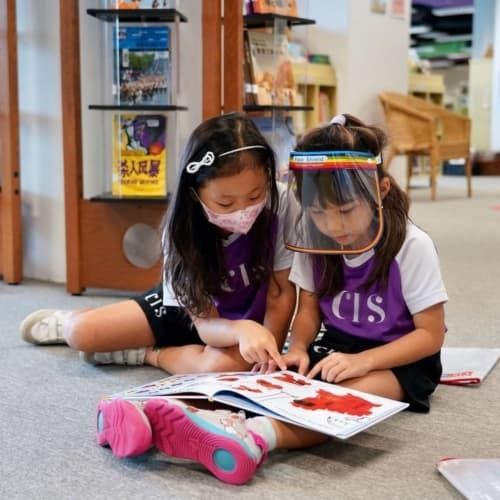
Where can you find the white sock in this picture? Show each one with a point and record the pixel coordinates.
(264, 428)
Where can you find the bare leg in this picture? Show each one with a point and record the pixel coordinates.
(197, 359)
(382, 383)
(109, 328)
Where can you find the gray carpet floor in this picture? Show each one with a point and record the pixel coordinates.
(47, 407)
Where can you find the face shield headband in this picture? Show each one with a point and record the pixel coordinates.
(334, 203)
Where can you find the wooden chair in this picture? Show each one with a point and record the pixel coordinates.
(418, 127)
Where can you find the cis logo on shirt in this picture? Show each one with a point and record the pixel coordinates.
(353, 301)
(234, 276)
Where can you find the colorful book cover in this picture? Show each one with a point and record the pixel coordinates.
(142, 65)
(272, 68)
(139, 155)
(467, 365)
(328, 408)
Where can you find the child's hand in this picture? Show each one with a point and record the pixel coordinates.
(297, 357)
(258, 345)
(339, 366)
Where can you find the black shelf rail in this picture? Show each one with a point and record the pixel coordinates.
(136, 107)
(266, 20)
(271, 107)
(108, 197)
(138, 15)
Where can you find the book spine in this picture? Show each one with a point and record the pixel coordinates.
(248, 72)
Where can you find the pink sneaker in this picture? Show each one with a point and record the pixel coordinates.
(218, 440)
(123, 427)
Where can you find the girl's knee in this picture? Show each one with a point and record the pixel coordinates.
(78, 330)
(222, 360)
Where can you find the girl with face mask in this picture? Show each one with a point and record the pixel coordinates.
(225, 302)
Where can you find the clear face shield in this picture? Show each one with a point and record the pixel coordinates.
(334, 203)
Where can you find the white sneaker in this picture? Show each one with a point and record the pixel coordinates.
(130, 357)
(44, 327)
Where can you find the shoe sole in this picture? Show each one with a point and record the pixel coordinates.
(179, 433)
(28, 322)
(123, 427)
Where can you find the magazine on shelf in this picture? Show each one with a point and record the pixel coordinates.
(271, 68)
(281, 7)
(474, 478)
(142, 65)
(139, 155)
(287, 396)
(467, 365)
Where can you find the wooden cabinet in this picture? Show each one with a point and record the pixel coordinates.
(11, 253)
(104, 232)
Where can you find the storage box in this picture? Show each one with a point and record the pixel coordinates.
(486, 163)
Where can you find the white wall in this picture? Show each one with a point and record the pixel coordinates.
(495, 105)
(41, 126)
(41, 139)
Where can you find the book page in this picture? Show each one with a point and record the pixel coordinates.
(467, 365)
(288, 396)
(187, 385)
(327, 408)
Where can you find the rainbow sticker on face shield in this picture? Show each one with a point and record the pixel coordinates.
(334, 202)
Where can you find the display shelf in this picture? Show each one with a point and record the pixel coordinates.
(266, 20)
(137, 107)
(272, 107)
(109, 197)
(11, 248)
(97, 221)
(138, 15)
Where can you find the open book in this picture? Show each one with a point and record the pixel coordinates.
(467, 365)
(474, 478)
(287, 396)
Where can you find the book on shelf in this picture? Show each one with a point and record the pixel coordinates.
(281, 7)
(474, 478)
(142, 65)
(139, 155)
(287, 396)
(250, 94)
(271, 68)
(467, 365)
(140, 4)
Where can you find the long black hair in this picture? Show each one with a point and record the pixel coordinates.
(194, 261)
(355, 135)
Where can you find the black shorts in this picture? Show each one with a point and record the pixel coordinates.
(171, 325)
(418, 380)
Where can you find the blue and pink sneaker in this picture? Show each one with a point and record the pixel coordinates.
(219, 440)
(123, 427)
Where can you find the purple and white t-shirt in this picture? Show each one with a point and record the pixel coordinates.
(242, 297)
(380, 314)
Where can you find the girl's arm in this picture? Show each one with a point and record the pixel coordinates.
(280, 304)
(307, 321)
(257, 343)
(304, 330)
(426, 339)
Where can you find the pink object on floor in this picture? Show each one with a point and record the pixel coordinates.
(123, 427)
(181, 433)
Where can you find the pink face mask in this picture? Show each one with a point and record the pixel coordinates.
(240, 221)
